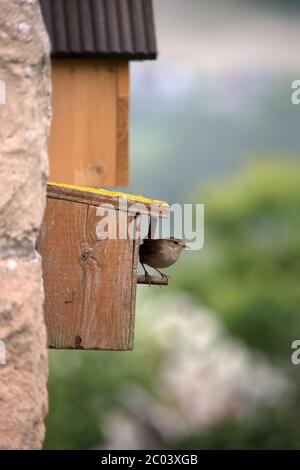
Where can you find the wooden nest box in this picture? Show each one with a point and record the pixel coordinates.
(92, 44)
(90, 283)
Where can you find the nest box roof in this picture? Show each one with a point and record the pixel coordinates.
(103, 197)
(100, 28)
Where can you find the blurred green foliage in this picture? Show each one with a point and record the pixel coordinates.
(84, 385)
(249, 273)
(249, 269)
(272, 429)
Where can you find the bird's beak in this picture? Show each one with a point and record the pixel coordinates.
(186, 247)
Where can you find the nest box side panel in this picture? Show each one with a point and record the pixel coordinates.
(110, 282)
(61, 234)
(89, 283)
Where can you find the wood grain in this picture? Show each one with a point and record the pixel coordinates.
(135, 262)
(108, 279)
(122, 124)
(83, 138)
(60, 244)
(90, 284)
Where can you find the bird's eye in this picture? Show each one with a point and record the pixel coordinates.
(176, 242)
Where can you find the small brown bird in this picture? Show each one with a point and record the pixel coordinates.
(160, 253)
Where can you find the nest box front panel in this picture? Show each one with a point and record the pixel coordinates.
(90, 284)
(88, 144)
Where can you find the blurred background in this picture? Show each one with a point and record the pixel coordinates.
(211, 122)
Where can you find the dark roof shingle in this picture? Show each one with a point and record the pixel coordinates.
(101, 28)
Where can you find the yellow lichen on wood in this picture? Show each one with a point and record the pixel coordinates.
(104, 192)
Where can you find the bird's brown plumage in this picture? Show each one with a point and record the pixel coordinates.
(160, 253)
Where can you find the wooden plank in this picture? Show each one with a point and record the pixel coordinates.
(89, 284)
(107, 273)
(122, 124)
(135, 263)
(60, 244)
(92, 197)
(82, 144)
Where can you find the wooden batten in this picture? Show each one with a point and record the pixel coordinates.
(88, 144)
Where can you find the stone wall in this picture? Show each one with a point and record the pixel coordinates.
(24, 126)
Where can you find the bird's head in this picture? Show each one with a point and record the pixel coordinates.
(176, 243)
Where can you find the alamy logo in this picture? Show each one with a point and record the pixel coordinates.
(295, 357)
(295, 97)
(2, 92)
(185, 221)
(2, 353)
